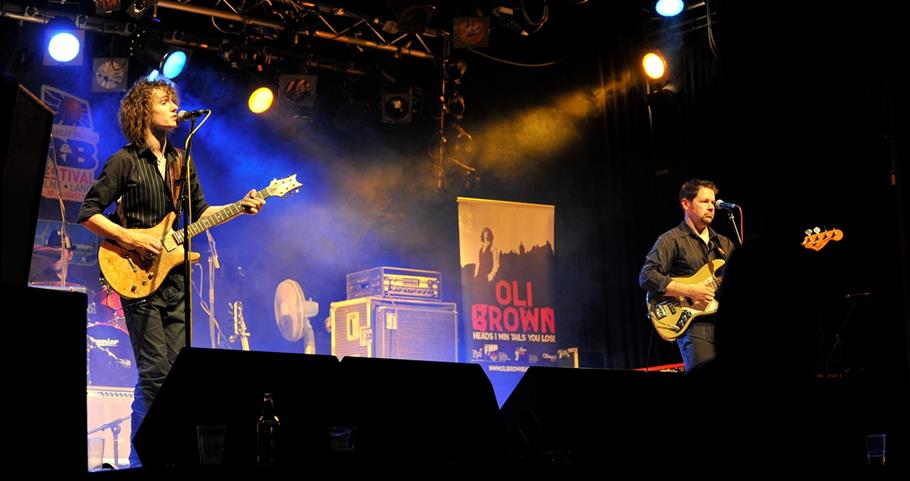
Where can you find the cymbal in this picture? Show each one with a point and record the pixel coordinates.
(60, 286)
(45, 250)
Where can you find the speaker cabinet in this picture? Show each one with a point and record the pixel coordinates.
(419, 412)
(395, 328)
(593, 416)
(216, 390)
(45, 375)
(25, 130)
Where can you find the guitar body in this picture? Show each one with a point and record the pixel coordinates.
(672, 316)
(134, 277)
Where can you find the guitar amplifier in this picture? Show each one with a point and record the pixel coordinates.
(109, 416)
(395, 282)
(390, 328)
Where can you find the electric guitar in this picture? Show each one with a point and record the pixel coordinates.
(816, 239)
(671, 315)
(133, 276)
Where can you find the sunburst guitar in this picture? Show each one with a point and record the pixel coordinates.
(133, 276)
(671, 316)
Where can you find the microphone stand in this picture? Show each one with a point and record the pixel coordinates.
(735, 229)
(187, 243)
(64, 237)
(213, 265)
(114, 426)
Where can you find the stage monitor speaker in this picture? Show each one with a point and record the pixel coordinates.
(591, 416)
(419, 412)
(218, 390)
(25, 130)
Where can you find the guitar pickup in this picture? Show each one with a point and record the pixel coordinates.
(683, 318)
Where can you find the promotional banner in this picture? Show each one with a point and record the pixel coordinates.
(507, 268)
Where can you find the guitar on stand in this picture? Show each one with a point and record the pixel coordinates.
(240, 331)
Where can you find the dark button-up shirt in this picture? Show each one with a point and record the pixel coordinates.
(680, 252)
(131, 178)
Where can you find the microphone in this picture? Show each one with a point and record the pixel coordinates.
(720, 204)
(854, 295)
(192, 114)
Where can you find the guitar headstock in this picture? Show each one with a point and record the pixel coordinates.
(816, 239)
(280, 187)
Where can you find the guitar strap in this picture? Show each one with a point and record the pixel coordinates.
(174, 173)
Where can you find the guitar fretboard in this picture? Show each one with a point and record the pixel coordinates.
(227, 213)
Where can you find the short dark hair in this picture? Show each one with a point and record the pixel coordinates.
(691, 187)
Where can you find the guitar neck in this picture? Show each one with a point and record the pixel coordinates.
(229, 212)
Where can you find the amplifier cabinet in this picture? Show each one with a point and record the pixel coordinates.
(109, 410)
(395, 328)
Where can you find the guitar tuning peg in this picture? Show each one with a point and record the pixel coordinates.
(808, 231)
(816, 230)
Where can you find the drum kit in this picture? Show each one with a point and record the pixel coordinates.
(109, 355)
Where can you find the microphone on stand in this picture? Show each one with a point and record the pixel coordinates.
(720, 204)
(184, 115)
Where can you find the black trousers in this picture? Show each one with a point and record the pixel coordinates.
(157, 327)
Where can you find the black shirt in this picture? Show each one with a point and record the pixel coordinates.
(680, 252)
(131, 178)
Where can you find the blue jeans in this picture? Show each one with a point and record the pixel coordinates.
(697, 344)
(157, 327)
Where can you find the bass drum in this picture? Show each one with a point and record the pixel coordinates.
(110, 356)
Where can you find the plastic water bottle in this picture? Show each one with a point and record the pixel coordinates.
(267, 431)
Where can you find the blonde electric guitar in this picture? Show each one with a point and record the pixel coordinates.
(671, 316)
(134, 277)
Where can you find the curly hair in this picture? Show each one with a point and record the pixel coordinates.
(136, 106)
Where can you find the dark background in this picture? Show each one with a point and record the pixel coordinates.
(797, 115)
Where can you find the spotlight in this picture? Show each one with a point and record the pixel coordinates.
(455, 106)
(169, 62)
(669, 8)
(396, 107)
(64, 42)
(107, 6)
(655, 65)
(261, 100)
(456, 71)
(138, 8)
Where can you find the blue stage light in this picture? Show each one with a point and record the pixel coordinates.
(669, 8)
(173, 64)
(63, 47)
